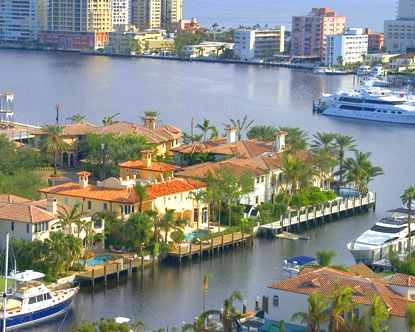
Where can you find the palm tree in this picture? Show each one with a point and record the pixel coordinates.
(410, 317)
(317, 313)
(109, 120)
(168, 222)
(69, 217)
(378, 313)
(360, 171)
(205, 127)
(241, 125)
(342, 144)
(55, 144)
(340, 304)
(262, 133)
(137, 326)
(205, 288)
(296, 139)
(323, 141)
(214, 133)
(324, 257)
(199, 324)
(296, 173)
(229, 311)
(356, 323)
(198, 197)
(323, 164)
(76, 118)
(408, 197)
(141, 193)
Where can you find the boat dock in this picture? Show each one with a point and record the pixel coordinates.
(331, 210)
(210, 246)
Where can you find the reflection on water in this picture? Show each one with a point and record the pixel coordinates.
(98, 86)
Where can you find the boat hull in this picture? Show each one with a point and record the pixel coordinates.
(370, 116)
(30, 318)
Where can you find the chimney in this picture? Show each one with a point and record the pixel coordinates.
(83, 179)
(146, 156)
(279, 144)
(231, 134)
(150, 120)
(52, 205)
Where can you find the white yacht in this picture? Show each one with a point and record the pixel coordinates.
(30, 301)
(374, 245)
(369, 103)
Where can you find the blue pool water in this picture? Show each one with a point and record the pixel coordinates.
(194, 235)
(97, 260)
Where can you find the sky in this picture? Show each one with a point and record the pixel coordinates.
(360, 13)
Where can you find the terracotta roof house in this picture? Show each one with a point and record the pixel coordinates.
(288, 296)
(118, 196)
(30, 220)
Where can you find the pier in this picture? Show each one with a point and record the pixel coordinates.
(313, 215)
(216, 244)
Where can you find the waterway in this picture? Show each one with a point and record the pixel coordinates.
(99, 86)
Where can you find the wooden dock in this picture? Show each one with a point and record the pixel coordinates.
(216, 244)
(329, 211)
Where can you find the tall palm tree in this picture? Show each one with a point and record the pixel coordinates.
(340, 303)
(55, 144)
(137, 326)
(410, 317)
(317, 313)
(205, 127)
(141, 192)
(378, 314)
(229, 311)
(323, 164)
(198, 197)
(360, 172)
(262, 133)
(214, 133)
(109, 120)
(296, 173)
(342, 144)
(408, 197)
(168, 221)
(241, 125)
(296, 139)
(76, 118)
(323, 141)
(205, 288)
(68, 217)
(199, 324)
(356, 323)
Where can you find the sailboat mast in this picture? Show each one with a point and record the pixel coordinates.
(6, 268)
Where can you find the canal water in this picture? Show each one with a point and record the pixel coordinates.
(100, 86)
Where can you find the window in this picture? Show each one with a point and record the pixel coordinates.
(276, 301)
(27, 228)
(89, 204)
(39, 298)
(256, 199)
(32, 300)
(12, 226)
(262, 179)
(258, 179)
(105, 206)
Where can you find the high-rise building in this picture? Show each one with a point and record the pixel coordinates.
(348, 48)
(251, 44)
(157, 14)
(400, 33)
(121, 12)
(309, 32)
(18, 20)
(100, 16)
(68, 15)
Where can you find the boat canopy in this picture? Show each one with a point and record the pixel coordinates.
(26, 276)
(402, 210)
(301, 260)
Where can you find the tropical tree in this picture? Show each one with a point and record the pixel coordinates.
(198, 196)
(317, 313)
(322, 141)
(76, 118)
(360, 171)
(378, 314)
(229, 311)
(199, 324)
(141, 193)
(356, 323)
(408, 197)
(323, 164)
(205, 288)
(109, 120)
(168, 221)
(137, 326)
(340, 303)
(262, 133)
(325, 257)
(214, 133)
(296, 173)
(410, 317)
(69, 217)
(55, 145)
(342, 144)
(296, 139)
(206, 127)
(241, 125)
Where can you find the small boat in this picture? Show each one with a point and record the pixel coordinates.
(28, 301)
(319, 70)
(294, 265)
(291, 236)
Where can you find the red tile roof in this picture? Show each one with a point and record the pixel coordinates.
(78, 129)
(155, 166)
(401, 279)
(25, 213)
(8, 198)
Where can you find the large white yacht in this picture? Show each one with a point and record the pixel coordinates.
(369, 103)
(375, 244)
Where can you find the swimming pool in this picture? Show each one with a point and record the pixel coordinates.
(97, 260)
(196, 234)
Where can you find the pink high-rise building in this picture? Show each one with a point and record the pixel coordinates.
(309, 32)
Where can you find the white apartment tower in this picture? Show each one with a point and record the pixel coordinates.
(121, 12)
(400, 33)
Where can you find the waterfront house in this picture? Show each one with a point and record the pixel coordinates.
(288, 296)
(117, 195)
(30, 220)
(206, 49)
(403, 62)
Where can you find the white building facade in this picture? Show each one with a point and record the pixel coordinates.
(348, 48)
(400, 33)
(121, 12)
(251, 44)
(18, 20)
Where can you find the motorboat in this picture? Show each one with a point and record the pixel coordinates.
(295, 264)
(389, 233)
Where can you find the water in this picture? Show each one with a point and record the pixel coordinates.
(98, 86)
(195, 235)
(97, 260)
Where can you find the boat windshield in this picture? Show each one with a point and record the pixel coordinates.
(390, 230)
